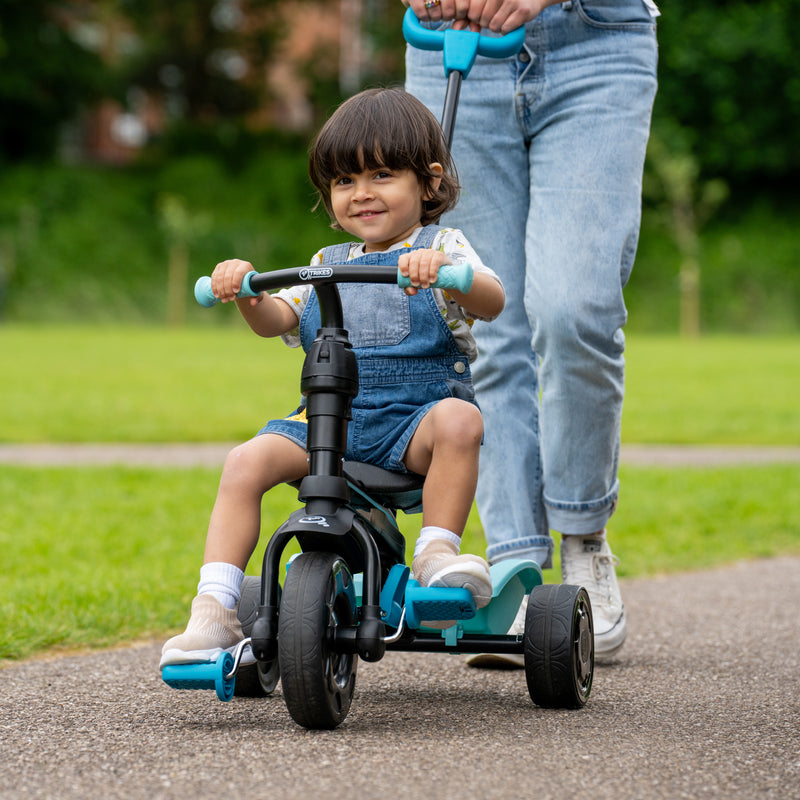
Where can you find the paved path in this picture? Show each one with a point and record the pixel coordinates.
(213, 454)
(703, 702)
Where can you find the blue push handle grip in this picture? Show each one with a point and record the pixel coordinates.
(461, 47)
(206, 298)
(450, 276)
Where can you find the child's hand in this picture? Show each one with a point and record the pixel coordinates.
(227, 277)
(421, 267)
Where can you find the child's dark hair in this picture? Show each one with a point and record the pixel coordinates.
(384, 128)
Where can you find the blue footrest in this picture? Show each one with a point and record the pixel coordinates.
(436, 603)
(204, 675)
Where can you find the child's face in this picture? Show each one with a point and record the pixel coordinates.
(379, 206)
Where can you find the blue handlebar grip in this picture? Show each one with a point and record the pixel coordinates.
(451, 276)
(205, 297)
(203, 294)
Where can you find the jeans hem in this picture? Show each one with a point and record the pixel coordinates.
(534, 548)
(582, 518)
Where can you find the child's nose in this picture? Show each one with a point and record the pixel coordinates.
(363, 190)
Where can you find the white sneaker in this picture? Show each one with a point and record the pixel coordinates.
(212, 629)
(588, 561)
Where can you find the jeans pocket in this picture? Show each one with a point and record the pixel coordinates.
(628, 14)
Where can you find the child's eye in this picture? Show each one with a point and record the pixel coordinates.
(383, 173)
(342, 180)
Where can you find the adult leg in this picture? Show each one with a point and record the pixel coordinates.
(588, 122)
(492, 161)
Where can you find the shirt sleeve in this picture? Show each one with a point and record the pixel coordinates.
(454, 244)
(296, 297)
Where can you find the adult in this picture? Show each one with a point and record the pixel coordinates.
(550, 147)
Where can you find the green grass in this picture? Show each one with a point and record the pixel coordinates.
(150, 384)
(94, 557)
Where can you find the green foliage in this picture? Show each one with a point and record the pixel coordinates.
(205, 58)
(45, 78)
(729, 74)
(748, 282)
(88, 244)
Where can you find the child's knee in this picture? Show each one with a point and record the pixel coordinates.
(461, 422)
(244, 465)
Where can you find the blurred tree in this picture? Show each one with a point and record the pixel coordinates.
(729, 75)
(684, 204)
(45, 76)
(206, 58)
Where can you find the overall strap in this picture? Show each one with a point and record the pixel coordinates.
(427, 236)
(336, 253)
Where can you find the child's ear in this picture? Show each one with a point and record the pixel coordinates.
(433, 183)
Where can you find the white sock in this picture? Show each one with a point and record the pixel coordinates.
(222, 581)
(430, 533)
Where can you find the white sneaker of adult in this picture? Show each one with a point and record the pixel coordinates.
(587, 560)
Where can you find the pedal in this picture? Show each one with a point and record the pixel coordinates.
(217, 675)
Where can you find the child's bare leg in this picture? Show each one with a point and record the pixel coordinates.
(250, 470)
(445, 448)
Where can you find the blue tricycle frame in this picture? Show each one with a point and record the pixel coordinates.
(349, 594)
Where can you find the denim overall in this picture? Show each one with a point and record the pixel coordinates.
(407, 360)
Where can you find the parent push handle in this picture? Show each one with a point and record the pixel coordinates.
(461, 47)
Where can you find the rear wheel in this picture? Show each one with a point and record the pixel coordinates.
(318, 682)
(559, 646)
(261, 678)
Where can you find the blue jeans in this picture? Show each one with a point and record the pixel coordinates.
(550, 148)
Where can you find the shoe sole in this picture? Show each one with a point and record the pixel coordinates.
(174, 657)
(608, 644)
(498, 661)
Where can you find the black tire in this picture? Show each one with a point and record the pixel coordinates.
(318, 682)
(559, 646)
(261, 678)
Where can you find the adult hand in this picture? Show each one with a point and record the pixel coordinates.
(500, 16)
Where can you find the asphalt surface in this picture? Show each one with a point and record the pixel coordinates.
(702, 702)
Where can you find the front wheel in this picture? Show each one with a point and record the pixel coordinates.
(559, 646)
(318, 682)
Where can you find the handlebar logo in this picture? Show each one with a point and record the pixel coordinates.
(309, 274)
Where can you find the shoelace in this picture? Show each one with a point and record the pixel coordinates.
(598, 571)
